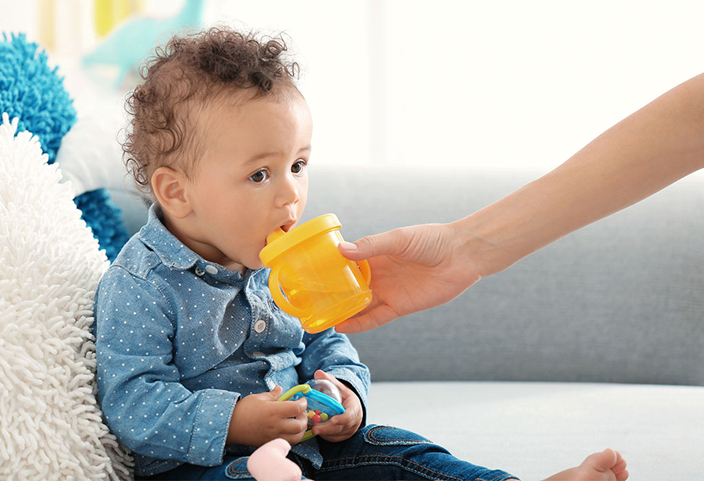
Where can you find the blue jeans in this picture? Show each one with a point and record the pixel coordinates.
(374, 452)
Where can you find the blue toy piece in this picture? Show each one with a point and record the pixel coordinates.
(324, 402)
(34, 93)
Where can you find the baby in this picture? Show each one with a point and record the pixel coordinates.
(192, 352)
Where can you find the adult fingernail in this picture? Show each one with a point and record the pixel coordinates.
(349, 246)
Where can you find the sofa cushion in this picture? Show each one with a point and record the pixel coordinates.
(534, 430)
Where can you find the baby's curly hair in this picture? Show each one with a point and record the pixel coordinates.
(190, 71)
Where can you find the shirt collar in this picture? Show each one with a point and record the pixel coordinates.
(173, 252)
(176, 255)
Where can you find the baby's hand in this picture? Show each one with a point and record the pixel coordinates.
(259, 418)
(341, 426)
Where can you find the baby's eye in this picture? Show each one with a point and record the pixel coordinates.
(298, 167)
(259, 176)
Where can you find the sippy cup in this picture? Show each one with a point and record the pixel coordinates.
(320, 286)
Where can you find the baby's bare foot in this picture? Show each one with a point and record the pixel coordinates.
(607, 465)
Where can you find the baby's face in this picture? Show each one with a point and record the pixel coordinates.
(251, 179)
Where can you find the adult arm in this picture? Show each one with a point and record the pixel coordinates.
(420, 267)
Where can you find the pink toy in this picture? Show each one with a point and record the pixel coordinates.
(269, 463)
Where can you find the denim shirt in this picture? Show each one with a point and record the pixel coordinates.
(181, 340)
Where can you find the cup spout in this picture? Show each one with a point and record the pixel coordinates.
(277, 233)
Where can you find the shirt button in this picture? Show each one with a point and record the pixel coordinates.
(260, 326)
(258, 354)
(199, 271)
(210, 269)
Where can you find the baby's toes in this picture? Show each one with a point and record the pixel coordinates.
(622, 476)
(619, 466)
(604, 460)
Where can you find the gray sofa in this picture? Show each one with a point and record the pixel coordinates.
(595, 341)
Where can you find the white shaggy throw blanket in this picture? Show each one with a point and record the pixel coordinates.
(50, 424)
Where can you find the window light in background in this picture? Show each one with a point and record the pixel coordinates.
(421, 84)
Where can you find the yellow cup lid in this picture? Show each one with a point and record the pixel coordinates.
(279, 241)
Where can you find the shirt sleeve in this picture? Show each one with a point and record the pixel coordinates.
(139, 388)
(332, 352)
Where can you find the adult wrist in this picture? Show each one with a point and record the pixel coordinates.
(488, 242)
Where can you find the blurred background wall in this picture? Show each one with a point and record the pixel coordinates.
(421, 84)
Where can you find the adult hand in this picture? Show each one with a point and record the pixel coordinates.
(260, 418)
(413, 268)
(341, 426)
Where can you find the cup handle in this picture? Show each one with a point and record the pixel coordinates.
(366, 270)
(279, 298)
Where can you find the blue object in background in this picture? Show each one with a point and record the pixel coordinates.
(33, 92)
(132, 41)
(104, 219)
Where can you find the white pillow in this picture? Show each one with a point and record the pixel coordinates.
(50, 264)
(90, 156)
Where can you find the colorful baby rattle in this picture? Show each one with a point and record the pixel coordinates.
(324, 402)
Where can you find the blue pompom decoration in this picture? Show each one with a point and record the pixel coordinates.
(33, 92)
(105, 221)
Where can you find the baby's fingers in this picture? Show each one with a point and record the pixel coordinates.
(335, 425)
(335, 433)
(291, 409)
(294, 426)
(292, 438)
(353, 413)
(292, 429)
(328, 429)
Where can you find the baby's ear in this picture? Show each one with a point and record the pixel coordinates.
(169, 186)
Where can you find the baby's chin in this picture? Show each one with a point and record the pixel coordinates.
(253, 264)
(243, 263)
(258, 265)
(236, 266)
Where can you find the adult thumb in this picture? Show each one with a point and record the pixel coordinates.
(370, 246)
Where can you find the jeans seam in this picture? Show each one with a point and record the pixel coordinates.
(501, 476)
(233, 472)
(393, 462)
(371, 432)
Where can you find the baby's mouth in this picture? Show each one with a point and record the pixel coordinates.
(285, 227)
(288, 225)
